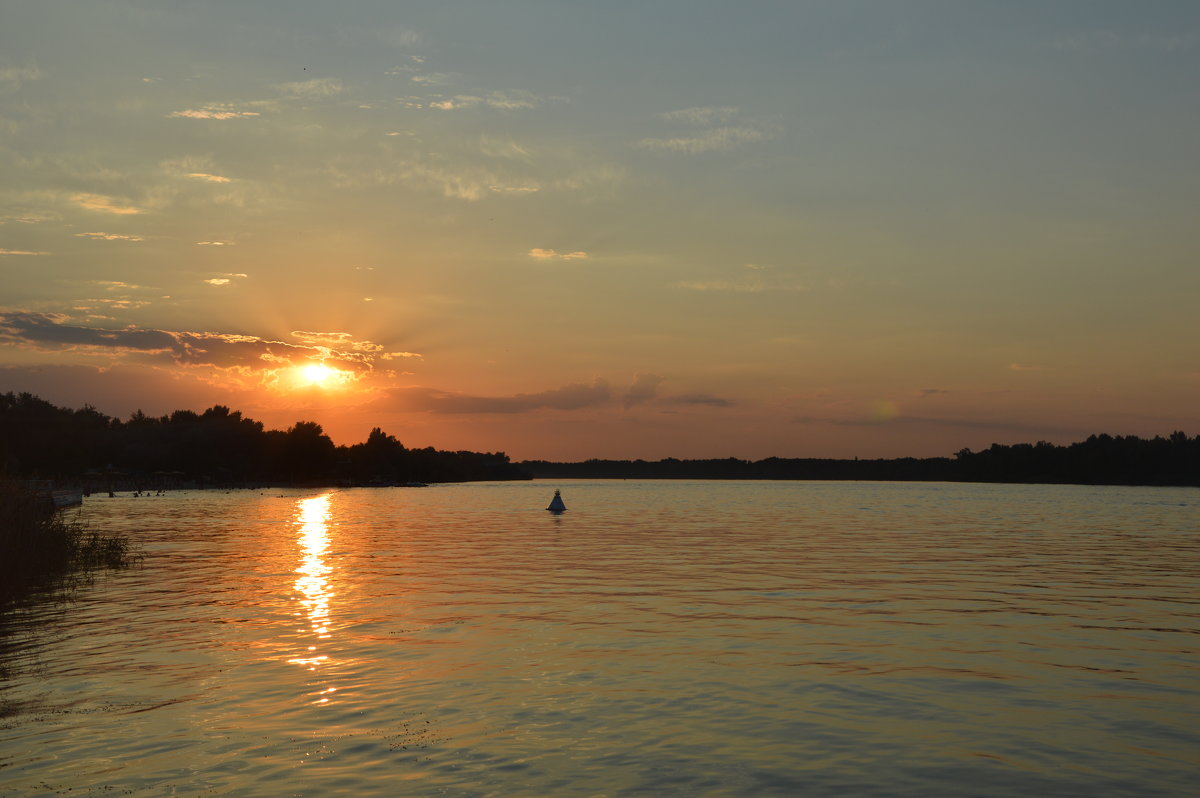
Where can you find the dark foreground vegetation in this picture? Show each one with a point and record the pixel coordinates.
(216, 448)
(1100, 460)
(40, 547)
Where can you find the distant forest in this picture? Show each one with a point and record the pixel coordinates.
(218, 447)
(221, 447)
(1100, 460)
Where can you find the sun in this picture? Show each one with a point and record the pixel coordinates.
(318, 374)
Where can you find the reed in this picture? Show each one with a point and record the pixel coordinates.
(39, 546)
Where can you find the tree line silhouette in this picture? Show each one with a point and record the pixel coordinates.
(1099, 460)
(222, 447)
(219, 447)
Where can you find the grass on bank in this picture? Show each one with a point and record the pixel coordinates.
(39, 546)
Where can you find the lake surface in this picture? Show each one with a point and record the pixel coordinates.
(659, 638)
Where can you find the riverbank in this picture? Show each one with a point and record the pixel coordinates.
(40, 545)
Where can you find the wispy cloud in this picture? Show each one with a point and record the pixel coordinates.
(6, 252)
(723, 130)
(100, 202)
(13, 77)
(32, 217)
(643, 389)
(512, 100)
(456, 103)
(504, 148)
(116, 285)
(721, 138)
(490, 177)
(46, 331)
(436, 78)
(705, 399)
(704, 115)
(569, 397)
(109, 236)
(315, 89)
(214, 243)
(224, 279)
(514, 189)
(339, 340)
(550, 254)
(209, 178)
(218, 111)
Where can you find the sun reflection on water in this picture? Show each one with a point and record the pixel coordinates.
(312, 518)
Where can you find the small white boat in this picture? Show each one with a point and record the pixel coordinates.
(556, 504)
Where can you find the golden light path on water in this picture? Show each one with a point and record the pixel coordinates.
(312, 582)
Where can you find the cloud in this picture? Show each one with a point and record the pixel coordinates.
(705, 115)
(550, 254)
(514, 189)
(721, 138)
(1025, 367)
(224, 279)
(643, 389)
(503, 148)
(488, 177)
(114, 285)
(699, 399)
(52, 332)
(218, 111)
(512, 100)
(209, 178)
(569, 397)
(214, 243)
(456, 103)
(339, 340)
(454, 182)
(315, 89)
(436, 78)
(33, 217)
(99, 202)
(109, 236)
(6, 252)
(13, 77)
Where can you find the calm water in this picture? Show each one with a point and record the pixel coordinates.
(660, 638)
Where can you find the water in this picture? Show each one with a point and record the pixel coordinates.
(660, 638)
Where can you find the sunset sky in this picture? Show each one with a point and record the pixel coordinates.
(613, 229)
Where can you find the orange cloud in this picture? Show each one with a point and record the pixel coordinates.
(209, 178)
(219, 112)
(109, 236)
(99, 202)
(549, 254)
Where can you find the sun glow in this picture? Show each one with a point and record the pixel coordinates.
(316, 373)
(321, 376)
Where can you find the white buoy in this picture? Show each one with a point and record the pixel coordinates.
(556, 504)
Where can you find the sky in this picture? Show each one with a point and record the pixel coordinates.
(649, 229)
